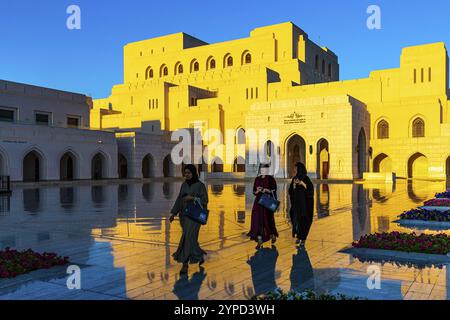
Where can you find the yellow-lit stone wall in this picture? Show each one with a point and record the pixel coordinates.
(174, 81)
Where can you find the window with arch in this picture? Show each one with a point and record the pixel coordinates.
(229, 61)
(418, 128)
(178, 68)
(211, 64)
(316, 63)
(383, 130)
(149, 73)
(247, 58)
(323, 66)
(164, 71)
(195, 66)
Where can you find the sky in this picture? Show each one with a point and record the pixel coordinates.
(36, 47)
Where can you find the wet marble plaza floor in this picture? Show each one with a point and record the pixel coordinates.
(120, 237)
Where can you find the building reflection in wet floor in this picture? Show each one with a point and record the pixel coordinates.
(122, 230)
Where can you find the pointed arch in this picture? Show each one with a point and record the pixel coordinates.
(148, 73)
(417, 166)
(69, 165)
(163, 71)
(178, 68)
(323, 158)
(148, 166)
(210, 63)
(4, 162)
(418, 127)
(34, 165)
(383, 129)
(99, 165)
(295, 146)
(228, 60)
(246, 57)
(195, 66)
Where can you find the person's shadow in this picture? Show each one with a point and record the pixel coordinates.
(188, 289)
(262, 265)
(302, 274)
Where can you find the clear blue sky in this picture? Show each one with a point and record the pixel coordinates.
(37, 48)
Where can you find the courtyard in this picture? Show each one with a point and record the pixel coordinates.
(120, 237)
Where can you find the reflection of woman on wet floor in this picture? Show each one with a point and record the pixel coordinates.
(189, 250)
(263, 221)
(301, 193)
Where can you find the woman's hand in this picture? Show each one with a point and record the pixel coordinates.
(259, 190)
(267, 191)
(188, 198)
(303, 185)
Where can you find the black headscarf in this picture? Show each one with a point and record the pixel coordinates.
(193, 170)
(301, 171)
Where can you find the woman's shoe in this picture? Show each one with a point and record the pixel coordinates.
(260, 243)
(297, 241)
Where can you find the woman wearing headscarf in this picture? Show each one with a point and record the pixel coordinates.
(301, 193)
(189, 251)
(263, 226)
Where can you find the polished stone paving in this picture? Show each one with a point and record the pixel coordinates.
(120, 237)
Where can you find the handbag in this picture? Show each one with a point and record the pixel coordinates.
(196, 212)
(269, 202)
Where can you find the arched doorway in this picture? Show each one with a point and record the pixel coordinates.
(32, 167)
(122, 166)
(362, 153)
(382, 163)
(148, 167)
(168, 167)
(98, 167)
(417, 166)
(67, 167)
(2, 165)
(239, 165)
(447, 165)
(295, 152)
(323, 159)
(217, 165)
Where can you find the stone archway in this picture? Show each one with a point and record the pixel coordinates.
(417, 166)
(122, 166)
(295, 152)
(323, 159)
(362, 153)
(382, 163)
(447, 166)
(148, 167)
(239, 165)
(217, 165)
(168, 167)
(32, 167)
(2, 165)
(67, 167)
(98, 167)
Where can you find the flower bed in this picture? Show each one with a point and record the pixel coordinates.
(438, 202)
(14, 263)
(445, 194)
(406, 242)
(426, 215)
(278, 294)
